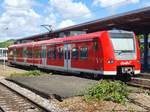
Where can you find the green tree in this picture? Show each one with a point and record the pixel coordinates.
(6, 43)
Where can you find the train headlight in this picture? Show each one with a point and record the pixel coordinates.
(110, 61)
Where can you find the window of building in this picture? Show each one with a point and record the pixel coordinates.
(75, 53)
(83, 52)
(5, 53)
(1, 53)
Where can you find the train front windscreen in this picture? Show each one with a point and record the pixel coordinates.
(124, 45)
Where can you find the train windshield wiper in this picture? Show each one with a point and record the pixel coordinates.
(123, 51)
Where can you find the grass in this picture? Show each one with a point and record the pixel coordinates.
(28, 73)
(115, 91)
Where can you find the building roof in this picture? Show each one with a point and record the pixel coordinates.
(137, 21)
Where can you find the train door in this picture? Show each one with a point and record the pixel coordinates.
(97, 54)
(67, 59)
(15, 54)
(24, 54)
(44, 55)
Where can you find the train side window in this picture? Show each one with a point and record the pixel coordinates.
(60, 53)
(84, 53)
(10, 53)
(24, 53)
(49, 54)
(29, 53)
(149, 45)
(95, 45)
(37, 54)
(54, 53)
(75, 53)
(15, 53)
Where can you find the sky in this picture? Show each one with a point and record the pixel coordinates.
(23, 18)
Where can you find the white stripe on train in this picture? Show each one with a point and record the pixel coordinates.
(74, 70)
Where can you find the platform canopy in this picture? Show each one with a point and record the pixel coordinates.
(137, 21)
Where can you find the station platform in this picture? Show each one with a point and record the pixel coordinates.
(57, 86)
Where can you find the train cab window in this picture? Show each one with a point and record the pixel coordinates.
(60, 53)
(84, 53)
(75, 53)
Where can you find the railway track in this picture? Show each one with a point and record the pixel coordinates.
(14, 98)
(11, 101)
(142, 81)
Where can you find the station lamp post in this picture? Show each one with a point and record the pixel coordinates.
(4, 53)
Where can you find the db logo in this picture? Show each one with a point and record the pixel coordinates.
(125, 63)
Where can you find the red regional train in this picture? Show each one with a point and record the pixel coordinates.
(111, 52)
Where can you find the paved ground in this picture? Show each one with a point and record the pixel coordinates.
(62, 86)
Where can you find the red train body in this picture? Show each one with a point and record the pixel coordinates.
(107, 52)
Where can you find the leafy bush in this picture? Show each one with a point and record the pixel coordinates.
(29, 73)
(108, 90)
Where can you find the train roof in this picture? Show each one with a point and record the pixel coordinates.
(59, 40)
(22, 44)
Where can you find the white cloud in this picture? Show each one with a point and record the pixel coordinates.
(21, 19)
(50, 20)
(113, 3)
(146, 4)
(69, 8)
(66, 23)
(19, 3)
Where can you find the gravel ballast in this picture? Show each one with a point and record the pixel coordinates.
(44, 103)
